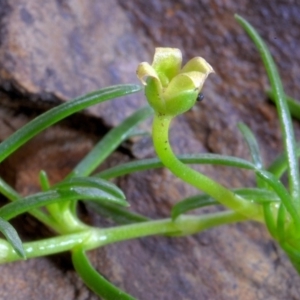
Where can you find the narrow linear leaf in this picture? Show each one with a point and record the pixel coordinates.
(8, 191)
(282, 193)
(110, 142)
(117, 213)
(12, 237)
(279, 165)
(151, 163)
(282, 110)
(91, 182)
(60, 112)
(138, 132)
(253, 149)
(293, 104)
(18, 207)
(259, 196)
(94, 280)
(252, 144)
(44, 180)
(12, 195)
(191, 203)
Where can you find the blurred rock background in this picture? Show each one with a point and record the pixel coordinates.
(56, 50)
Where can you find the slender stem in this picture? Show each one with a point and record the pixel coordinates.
(226, 197)
(44, 247)
(92, 238)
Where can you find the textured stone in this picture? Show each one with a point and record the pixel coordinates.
(63, 49)
(232, 262)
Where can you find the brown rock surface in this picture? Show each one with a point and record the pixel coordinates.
(53, 51)
(61, 49)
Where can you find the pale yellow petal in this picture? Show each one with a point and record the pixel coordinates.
(198, 78)
(197, 64)
(167, 63)
(146, 70)
(185, 81)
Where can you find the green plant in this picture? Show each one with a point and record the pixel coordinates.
(170, 91)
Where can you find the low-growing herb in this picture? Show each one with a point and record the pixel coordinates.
(170, 90)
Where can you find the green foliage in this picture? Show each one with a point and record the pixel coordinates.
(167, 88)
(12, 237)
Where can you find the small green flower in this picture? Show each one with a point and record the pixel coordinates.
(169, 89)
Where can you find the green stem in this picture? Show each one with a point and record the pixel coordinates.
(226, 197)
(93, 238)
